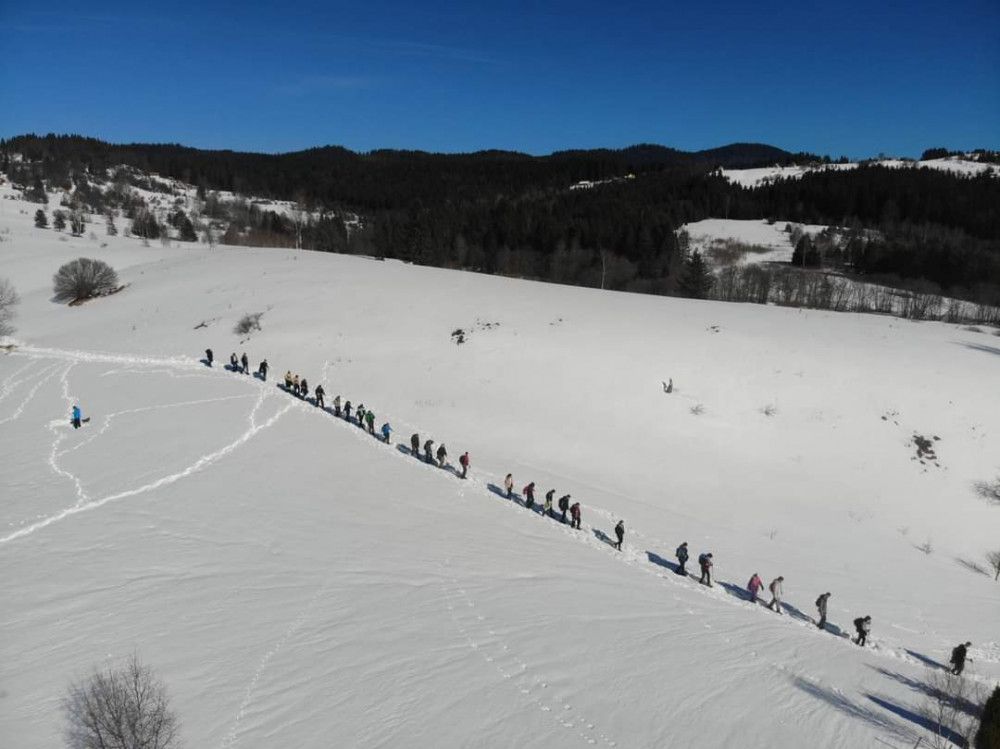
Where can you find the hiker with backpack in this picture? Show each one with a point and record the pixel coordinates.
(415, 445)
(320, 392)
(958, 656)
(233, 363)
(262, 370)
(682, 558)
(706, 564)
(347, 411)
(620, 533)
(754, 586)
(508, 485)
(442, 455)
(574, 513)
(386, 432)
(296, 387)
(429, 451)
(360, 411)
(821, 604)
(548, 502)
(863, 626)
(563, 507)
(288, 380)
(245, 362)
(529, 495)
(209, 356)
(370, 421)
(464, 462)
(336, 406)
(775, 588)
(303, 389)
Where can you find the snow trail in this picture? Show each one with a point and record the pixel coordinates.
(48, 373)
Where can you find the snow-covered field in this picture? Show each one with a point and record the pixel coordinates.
(763, 175)
(774, 242)
(296, 583)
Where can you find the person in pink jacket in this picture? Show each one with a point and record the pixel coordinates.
(754, 587)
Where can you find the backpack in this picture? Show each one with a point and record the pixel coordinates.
(954, 655)
(859, 623)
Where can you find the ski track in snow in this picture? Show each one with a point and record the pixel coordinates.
(638, 560)
(9, 384)
(47, 374)
(511, 667)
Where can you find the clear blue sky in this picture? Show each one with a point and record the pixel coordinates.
(855, 77)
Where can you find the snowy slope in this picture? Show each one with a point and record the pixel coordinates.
(774, 244)
(763, 175)
(297, 583)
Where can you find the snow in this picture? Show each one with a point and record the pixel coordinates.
(774, 242)
(763, 175)
(291, 579)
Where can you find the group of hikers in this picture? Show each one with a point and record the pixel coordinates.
(365, 418)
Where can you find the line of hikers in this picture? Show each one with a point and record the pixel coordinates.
(366, 418)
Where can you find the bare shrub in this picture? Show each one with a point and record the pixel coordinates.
(989, 490)
(697, 409)
(123, 708)
(248, 323)
(993, 557)
(951, 709)
(84, 278)
(927, 547)
(8, 301)
(769, 410)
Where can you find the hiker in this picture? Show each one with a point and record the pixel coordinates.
(347, 411)
(464, 462)
(233, 364)
(262, 370)
(442, 455)
(320, 392)
(415, 445)
(288, 380)
(775, 588)
(563, 506)
(958, 656)
(209, 356)
(705, 562)
(370, 421)
(303, 388)
(429, 451)
(682, 557)
(336, 406)
(754, 586)
(77, 417)
(360, 411)
(620, 532)
(245, 362)
(508, 484)
(295, 385)
(574, 512)
(821, 607)
(386, 432)
(548, 502)
(863, 625)
(529, 495)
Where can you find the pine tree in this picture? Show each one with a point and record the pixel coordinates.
(111, 228)
(41, 220)
(187, 232)
(805, 255)
(696, 276)
(58, 220)
(988, 735)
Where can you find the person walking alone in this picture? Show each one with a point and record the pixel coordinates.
(863, 626)
(620, 533)
(958, 656)
(76, 418)
(821, 604)
(775, 588)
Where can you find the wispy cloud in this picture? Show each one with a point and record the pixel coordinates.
(318, 84)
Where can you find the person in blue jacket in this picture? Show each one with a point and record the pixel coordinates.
(386, 432)
(77, 417)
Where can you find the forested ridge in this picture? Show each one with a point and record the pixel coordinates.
(512, 213)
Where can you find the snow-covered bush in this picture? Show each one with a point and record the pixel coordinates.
(8, 301)
(124, 708)
(84, 278)
(989, 490)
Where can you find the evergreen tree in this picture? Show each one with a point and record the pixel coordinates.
(58, 220)
(988, 735)
(187, 232)
(805, 255)
(696, 276)
(41, 220)
(111, 228)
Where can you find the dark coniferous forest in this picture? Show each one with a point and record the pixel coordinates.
(515, 214)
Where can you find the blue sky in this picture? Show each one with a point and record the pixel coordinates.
(854, 78)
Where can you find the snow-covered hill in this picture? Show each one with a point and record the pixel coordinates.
(955, 164)
(297, 583)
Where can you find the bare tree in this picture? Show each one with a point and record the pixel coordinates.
(993, 558)
(123, 708)
(84, 278)
(8, 301)
(952, 709)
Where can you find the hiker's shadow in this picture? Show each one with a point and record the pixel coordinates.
(502, 493)
(206, 362)
(797, 613)
(660, 561)
(735, 590)
(260, 376)
(602, 536)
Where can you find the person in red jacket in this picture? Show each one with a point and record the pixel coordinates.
(529, 495)
(464, 462)
(754, 587)
(574, 513)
